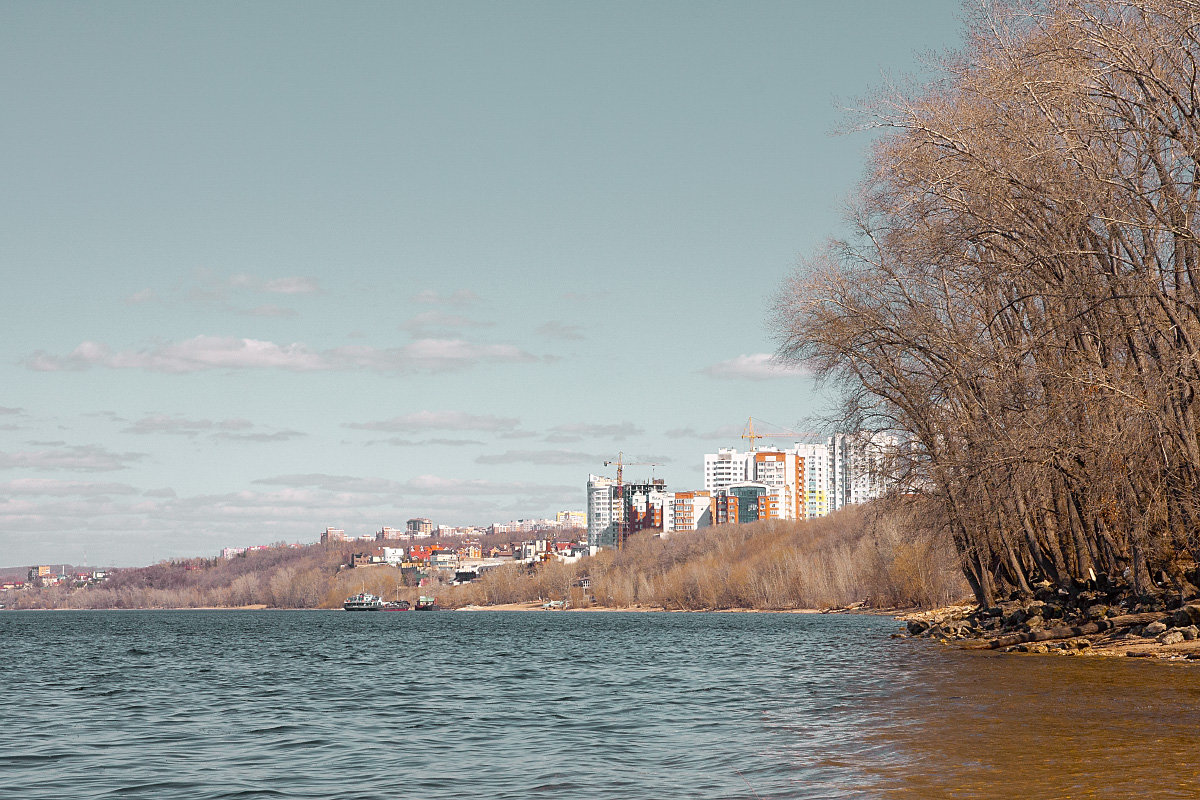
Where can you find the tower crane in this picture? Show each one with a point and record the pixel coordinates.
(750, 434)
(621, 464)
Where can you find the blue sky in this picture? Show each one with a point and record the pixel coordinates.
(279, 266)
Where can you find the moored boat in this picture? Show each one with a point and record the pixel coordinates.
(426, 604)
(363, 602)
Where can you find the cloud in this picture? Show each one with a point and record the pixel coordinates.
(293, 285)
(723, 432)
(544, 457)
(276, 436)
(754, 367)
(434, 321)
(233, 430)
(78, 458)
(438, 420)
(140, 297)
(560, 330)
(216, 352)
(334, 483)
(585, 297)
(620, 431)
(119, 527)
(427, 485)
(57, 488)
(272, 311)
(290, 285)
(396, 441)
(178, 426)
(210, 290)
(463, 297)
(6, 411)
(562, 438)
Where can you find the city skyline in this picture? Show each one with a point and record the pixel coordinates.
(279, 267)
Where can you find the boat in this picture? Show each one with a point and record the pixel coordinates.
(396, 605)
(363, 602)
(426, 604)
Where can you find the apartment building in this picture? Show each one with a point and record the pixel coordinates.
(603, 508)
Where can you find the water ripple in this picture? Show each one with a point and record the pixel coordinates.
(222, 705)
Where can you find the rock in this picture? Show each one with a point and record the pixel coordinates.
(1173, 636)
(1192, 611)
(1097, 611)
(1039, 648)
(1153, 629)
(916, 627)
(1052, 611)
(1034, 623)
(1015, 618)
(1191, 633)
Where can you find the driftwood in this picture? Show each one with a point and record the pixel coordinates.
(1069, 631)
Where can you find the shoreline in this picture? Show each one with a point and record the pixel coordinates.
(1128, 637)
(535, 606)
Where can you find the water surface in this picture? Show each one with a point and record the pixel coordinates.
(224, 704)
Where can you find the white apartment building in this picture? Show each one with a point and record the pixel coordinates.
(809, 479)
(724, 467)
(603, 510)
(693, 510)
(571, 519)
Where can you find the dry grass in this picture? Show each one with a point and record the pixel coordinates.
(856, 555)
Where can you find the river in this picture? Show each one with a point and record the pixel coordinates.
(579, 706)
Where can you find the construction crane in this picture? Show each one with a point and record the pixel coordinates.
(750, 434)
(621, 464)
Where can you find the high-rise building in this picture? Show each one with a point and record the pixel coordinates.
(809, 479)
(420, 526)
(645, 508)
(333, 535)
(602, 510)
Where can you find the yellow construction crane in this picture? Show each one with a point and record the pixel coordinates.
(750, 434)
(621, 463)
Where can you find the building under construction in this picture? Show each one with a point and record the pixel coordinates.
(617, 510)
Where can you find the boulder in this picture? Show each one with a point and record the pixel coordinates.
(1173, 636)
(1153, 629)
(1097, 611)
(917, 627)
(1192, 611)
(1015, 618)
(1191, 633)
(1034, 623)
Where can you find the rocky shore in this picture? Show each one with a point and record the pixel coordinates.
(1079, 626)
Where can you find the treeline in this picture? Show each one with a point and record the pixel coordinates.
(857, 555)
(1021, 297)
(279, 576)
(884, 556)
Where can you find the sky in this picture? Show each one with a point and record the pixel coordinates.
(272, 267)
